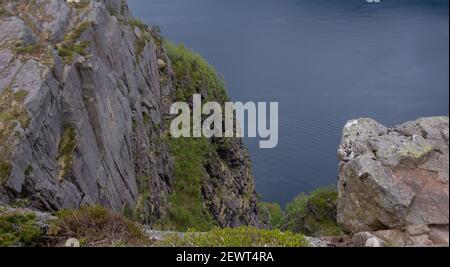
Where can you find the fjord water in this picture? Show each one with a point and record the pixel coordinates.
(324, 61)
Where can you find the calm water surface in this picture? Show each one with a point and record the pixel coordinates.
(324, 61)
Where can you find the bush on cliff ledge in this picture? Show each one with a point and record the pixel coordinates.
(313, 214)
(194, 74)
(96, 226)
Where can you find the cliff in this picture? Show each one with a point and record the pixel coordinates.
(85, 92)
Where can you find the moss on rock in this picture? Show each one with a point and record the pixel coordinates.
(66, 147)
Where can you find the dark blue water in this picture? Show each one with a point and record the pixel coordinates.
(325, 61)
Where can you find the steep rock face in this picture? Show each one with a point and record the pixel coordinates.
(392, 180)
(85, 93)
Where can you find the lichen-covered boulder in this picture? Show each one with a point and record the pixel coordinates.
(395, 178)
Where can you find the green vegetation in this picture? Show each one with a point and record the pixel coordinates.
(66, 147)
(140, 212)
(97, 226)
(186, 207)
(194, 74)
(272, 213)
(237, 237)
(70, 46)
(11, 108)
(147, 118)
(144, 39)
(5, 170)
(137, 23)
(76, 33)
(313, 214)
(28, 170)
(20, 203)
(35, 51)
(68, 52)
(18, 229)
(141, 43)
(11, 113)
(29, 49)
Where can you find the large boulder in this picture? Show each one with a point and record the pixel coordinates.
(396, 178)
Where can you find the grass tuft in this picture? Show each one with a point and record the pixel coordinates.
(96, 226)
(236, 237)
(71, 47)
(66, 147)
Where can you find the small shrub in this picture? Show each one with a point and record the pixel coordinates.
(29, 49)
(271, 213)
(68, 51)
(97, 226)
(18, 229)
(138, 24)
(236, 237)
(313, 214)
(70, 47)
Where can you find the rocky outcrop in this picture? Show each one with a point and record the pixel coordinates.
(85, 93)
(393, 182)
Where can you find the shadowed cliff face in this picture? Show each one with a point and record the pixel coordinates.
(85, 91)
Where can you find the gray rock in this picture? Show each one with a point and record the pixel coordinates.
(317, 242)
(391, 178)
(366, 239)
(14, 30)
(417, 230)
